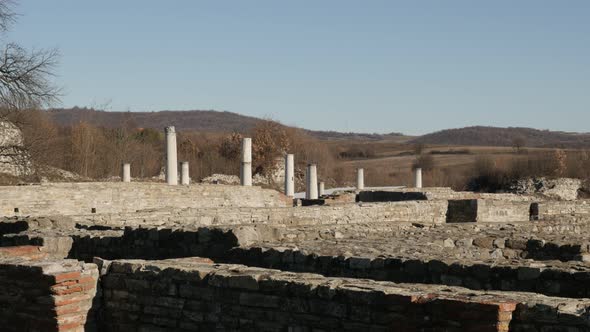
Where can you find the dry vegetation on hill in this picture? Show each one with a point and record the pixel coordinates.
(97, 152)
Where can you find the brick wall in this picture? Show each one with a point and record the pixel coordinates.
(46, 296)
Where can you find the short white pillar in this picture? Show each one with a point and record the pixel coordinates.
(185, 179)
(321, 188)
(312, 182)
(246, 166)
(171, 157)
(126, 170)
(290, 175)
(360, 179)
(418, 177)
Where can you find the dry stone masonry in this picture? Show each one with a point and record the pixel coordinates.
(154, 257)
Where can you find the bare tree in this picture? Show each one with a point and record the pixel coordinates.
(24, 75)
(518, 143)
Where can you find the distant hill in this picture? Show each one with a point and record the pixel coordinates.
(494, 136)
(213, 121)
(210, 121)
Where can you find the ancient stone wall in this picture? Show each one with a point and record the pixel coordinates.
(406, 194)
(188, 295)
(14, 160)
(532, 277)
(411, 211)
(92, 197)
(47, 295)
(548, 210)
(483, 210)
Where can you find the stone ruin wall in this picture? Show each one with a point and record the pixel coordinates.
(47, 295)
(439, 283)
(14, 159)
(82, 198)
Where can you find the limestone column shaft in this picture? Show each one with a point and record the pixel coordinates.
(418, 178)
(360, 179)
(184, 174)
(312, 182)
(321, 188)
(126, 170)
(290, 175)
(246, 166)
(171, 157)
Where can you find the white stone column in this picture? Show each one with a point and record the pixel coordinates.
(360, 179)
(171, 157)
(185, 179)
(418, 177)
(246, 166)
(312, 182)
(126, 170)
(290, 175)
(321, 188)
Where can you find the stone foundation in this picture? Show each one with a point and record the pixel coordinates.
(94, 197)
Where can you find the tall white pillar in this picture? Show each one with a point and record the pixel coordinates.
(171, 157)
(321, 188)
(184, 174)
(126, 172)
(312, 182)
(418, 178)
(246, 166)
(290, 175)
(360, 179)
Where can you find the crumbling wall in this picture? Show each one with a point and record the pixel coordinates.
(549, 210)
(188, 295)
(83, 198)
(14, 159)
(560, 188)
(412, 211)
(527, 276)
(483, 210)
(47, 295)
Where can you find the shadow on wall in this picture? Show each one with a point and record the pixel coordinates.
(154, 244)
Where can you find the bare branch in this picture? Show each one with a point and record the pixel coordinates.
(24, 77)
(7, 15)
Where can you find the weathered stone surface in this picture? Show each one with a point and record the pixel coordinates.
(82, 198)
(305, 302)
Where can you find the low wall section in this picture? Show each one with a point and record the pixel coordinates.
(183, 295)
(46, 296)
(411, 211)
(530, 277)
(93, 197)
(484, 210)
(549, 210)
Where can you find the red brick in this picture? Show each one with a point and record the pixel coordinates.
(64, 291)
(67, 276)
(69, 326)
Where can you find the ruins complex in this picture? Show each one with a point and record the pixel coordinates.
(180, 256)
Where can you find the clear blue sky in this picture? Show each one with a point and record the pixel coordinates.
(372, 66)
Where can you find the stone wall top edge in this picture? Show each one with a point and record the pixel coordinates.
(441, 292)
